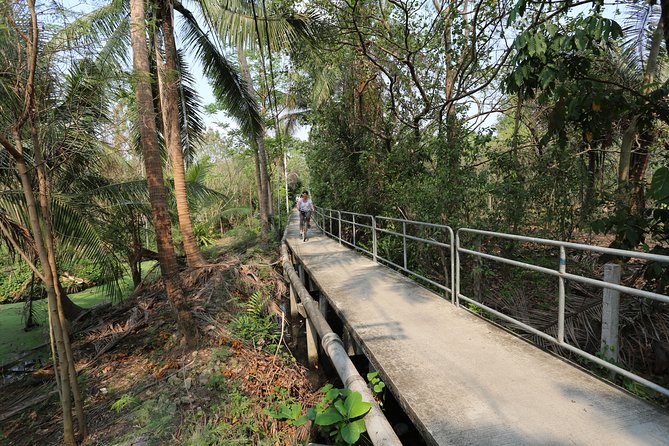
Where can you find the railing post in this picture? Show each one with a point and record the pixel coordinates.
(450, 232)
(561, 297)
(457, 269)
(330, 213)
(404, 243)
(339, 229)
(323, 305)
(374, 238)
(610, 313)
(353, 215)
(301, 274)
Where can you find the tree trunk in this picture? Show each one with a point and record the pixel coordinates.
(154, 172)
(168, 86)
(60, 359)
(61, 296)
(261, 157)
(634, 161)
(56, 318)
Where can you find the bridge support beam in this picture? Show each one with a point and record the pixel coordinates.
(352, 347)
(323, 306)
(312, 344)
(610, 313)
(293, 303)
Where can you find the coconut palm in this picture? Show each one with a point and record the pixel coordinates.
(105, 29)
(243, 25)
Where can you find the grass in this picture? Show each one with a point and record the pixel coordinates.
(14, 340)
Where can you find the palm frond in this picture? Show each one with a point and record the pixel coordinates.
(92, 30)
(227, 84)
(197, 172)
(190, 111)
(236, 23)
(80, 237)
(13, 234)
(636, 30)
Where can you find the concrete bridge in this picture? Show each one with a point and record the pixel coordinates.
(460, 379)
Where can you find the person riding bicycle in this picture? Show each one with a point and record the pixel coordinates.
(306, 207)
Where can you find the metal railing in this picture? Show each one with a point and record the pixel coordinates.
(331, 219)
(332, 222)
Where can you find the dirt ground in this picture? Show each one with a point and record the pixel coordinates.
(142, 388)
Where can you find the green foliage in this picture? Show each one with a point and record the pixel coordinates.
(378, 386)
(12, 277)
(339, 414)
(126, 401)
(156, 416)
(239, 424)
(255, 325)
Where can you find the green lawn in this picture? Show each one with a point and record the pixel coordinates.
(13, 340)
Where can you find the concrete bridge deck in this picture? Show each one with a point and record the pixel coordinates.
(462, 380)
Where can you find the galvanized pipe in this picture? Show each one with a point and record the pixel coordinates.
(552, 272)
(561, 297)
(378, 428)
(374, 238)
(339, 229)
(353, 230)
(404, 243)
(569, 245)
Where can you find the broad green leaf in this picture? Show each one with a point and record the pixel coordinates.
(551, 29)
(295, 410)
(581, 40)
(659, 185)
(339, 405)
(351, 432)
(540, 45)
(355, 406)
(300, 421)
(331, 394)
(329, 417)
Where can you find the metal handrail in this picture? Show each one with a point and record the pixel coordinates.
(455, 271)
(326, 213)
(562, 275)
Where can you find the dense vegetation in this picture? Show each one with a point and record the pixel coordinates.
(543, 118)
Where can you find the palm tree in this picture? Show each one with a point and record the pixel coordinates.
(154, 171)
(246, 26)
(106, 28)
(20, 40)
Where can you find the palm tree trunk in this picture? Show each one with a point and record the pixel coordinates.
(633, 162)
(168, 86)
(61, 296)
(16, 150)
(154, 172)
(60, 360)
(261, 157)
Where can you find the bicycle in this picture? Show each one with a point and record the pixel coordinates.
(305, 224)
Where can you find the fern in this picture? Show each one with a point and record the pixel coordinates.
(254, 324)
(256, 305)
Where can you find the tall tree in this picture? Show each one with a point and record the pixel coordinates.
(23, 93)
(154, 171)
(168, 81)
